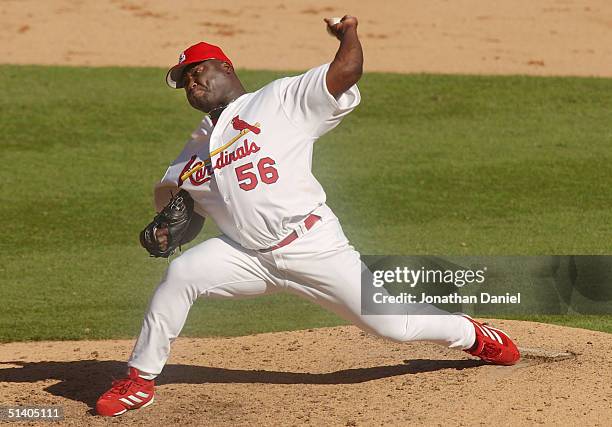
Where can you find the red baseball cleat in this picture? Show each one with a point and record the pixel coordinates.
(132, 392)
(493, 345)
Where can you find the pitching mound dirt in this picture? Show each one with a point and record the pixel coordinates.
(336, 376)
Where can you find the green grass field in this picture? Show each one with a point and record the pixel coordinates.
(446, 165)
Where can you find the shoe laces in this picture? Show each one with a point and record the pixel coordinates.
(121, 386)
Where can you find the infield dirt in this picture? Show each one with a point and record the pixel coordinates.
(326, 376)
(562, 37)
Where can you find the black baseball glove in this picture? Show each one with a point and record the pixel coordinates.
(176, 217)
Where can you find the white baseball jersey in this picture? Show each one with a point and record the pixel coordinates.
(261, 187)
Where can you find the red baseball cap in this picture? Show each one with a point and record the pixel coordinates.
(197, 53)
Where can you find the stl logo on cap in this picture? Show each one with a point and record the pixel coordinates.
(182, 58)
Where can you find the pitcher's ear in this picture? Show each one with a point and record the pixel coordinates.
(227, 67)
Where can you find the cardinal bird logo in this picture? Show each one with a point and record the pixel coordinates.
(241, 125)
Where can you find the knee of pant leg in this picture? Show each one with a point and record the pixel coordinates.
(189, 274)
(176, 286)
(177, 270)
(197, 262)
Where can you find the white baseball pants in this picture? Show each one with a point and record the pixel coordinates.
(320, 266)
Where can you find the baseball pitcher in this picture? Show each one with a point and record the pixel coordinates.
(247, 167)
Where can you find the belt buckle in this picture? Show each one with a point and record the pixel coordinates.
(301, 229)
